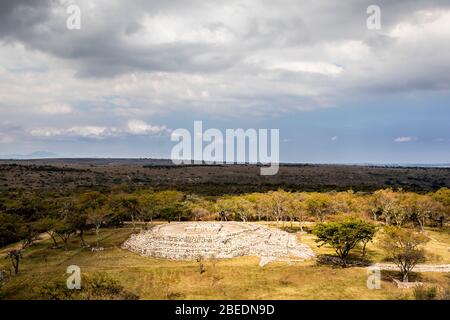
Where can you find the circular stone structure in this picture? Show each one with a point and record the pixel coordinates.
(193, 240)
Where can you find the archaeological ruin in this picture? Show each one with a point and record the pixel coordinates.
(194, 240)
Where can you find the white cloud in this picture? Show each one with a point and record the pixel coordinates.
(76, 131)
(404, 139)
(422, 24)
(56, 108)
(308, 67)
(139, 127)
(334, 138)
(134, 127)
(169, 29)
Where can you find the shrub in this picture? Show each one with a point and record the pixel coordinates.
(98, 286)
(425, 293)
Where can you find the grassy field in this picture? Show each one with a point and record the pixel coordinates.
(238, 278)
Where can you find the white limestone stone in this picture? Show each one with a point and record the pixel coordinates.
(221, 240)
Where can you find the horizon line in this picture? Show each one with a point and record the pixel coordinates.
(401, 164)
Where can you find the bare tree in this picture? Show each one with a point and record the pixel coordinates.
(64, 230)
(426, 208)
(15, 256)
(97, 217)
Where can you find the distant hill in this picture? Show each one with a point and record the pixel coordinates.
(33, 155)
(53, 158)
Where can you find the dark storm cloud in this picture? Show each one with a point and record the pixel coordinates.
(232, 41)
(102, 48)
(19, 18)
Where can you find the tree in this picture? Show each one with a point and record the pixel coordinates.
(129, 205)
(426, 208)
(15, 256)
(319, 205)
(406, 208)
(301, 212)
(442, 196)
(78, 221)
(404, 247)
(72, 218)
(224, 207)
(256, 200)
(343, 235)
(78, 218)
(199, 207)
(242, 208)
(393, 205)
(293, 207)
(48, 225)
(147, 206)
(9, 228)
(199, 212)
(264, 206)
(98, 216)
(367, 234)
(386, 201)
(170, 204)
(344, 202)
(279, 200)
(370, 204)
(64, 230)
(28, 233)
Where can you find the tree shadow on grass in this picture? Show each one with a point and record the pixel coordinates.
(334, 261)
(390, 275)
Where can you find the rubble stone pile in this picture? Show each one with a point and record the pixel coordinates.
(193, 240)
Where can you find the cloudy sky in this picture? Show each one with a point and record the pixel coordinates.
(136, 70)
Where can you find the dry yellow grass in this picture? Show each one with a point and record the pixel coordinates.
(238, 278)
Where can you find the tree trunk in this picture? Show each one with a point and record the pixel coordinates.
(65, 243)
(16, 270)
(133, 222)
(16, 260)
(83, 243)
(97, 232)
(405, 276)
(422, 224)
(55, 243)
(364, 249)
